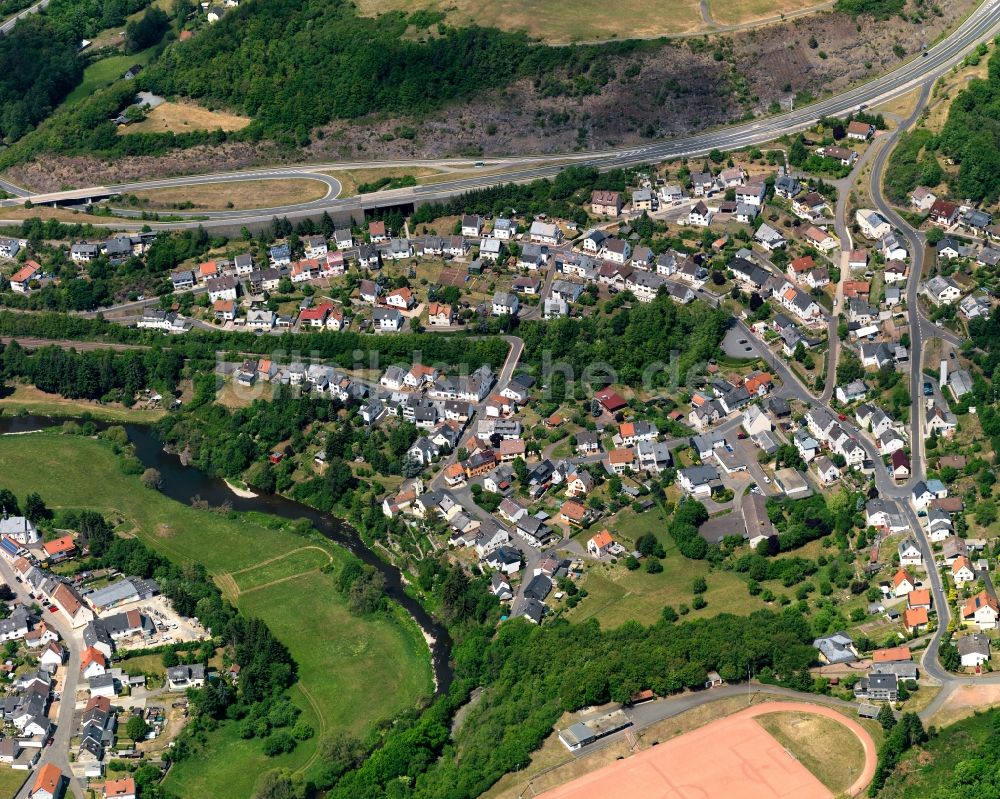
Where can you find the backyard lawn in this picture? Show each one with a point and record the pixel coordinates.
(617, 595)
(11, 781)
(105, 72)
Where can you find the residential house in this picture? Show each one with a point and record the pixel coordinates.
(962, 572)
(844, 155)
(943, 212)
(505, 304)
(873, 225)
(922, 198)
(700, 215)
(836, 648)
(909, 553)
(698, 480)
(387, 320)
(860, 131)
(877, 687)
(180, 678)
(981, 611)
(601, 544)
(973, 650)
(545, 233)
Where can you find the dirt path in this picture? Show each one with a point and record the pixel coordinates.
(281, 557)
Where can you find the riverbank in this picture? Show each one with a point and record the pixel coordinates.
(345, 661)
(28, 399)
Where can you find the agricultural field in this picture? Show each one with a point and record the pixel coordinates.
(358, 655)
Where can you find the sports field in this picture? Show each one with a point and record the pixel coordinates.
(734, 756)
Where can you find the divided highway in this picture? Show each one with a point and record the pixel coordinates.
(921, 70)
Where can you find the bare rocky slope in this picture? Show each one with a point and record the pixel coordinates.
(684, 87)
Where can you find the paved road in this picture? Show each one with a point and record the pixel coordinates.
(980, 26)
(919, 328)
(58, 752)
(8, 26)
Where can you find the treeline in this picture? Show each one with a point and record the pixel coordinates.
(913, 163)
(688, 517)
(971, 138)
(104, 375)
(900, 737)
(85, 18)
(880, 9)
(340, 349)
(39, 66)
(559, 197)
(532, 675)
(263, 60)
(653, 344)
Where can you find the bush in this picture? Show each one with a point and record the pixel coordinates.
(279, 743)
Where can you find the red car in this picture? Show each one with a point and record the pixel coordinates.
(842, 418)
(52, 608)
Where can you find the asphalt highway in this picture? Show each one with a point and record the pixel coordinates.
(920, 70)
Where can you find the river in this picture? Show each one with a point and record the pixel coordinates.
(184, 483)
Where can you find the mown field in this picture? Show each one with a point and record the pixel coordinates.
(345, 662)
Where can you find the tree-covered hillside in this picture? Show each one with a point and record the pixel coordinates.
(38, 68)
(296, 64)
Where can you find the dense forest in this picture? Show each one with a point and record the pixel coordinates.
(971, 137)
(38, 68)
(94, 375)
(531, 675)
(265, 60)
(654, 344)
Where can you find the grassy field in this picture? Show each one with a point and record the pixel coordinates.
(231, 766)
(617, 595)
(561, 21)
(243, 194)
(105, 72)
(742, 12)
(824, 746)
(38, 402)
(344, 661)
(350, 179)
(11, 782)
(182, 117)
(294, 563)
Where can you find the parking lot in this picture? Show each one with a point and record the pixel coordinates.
(737, 344)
